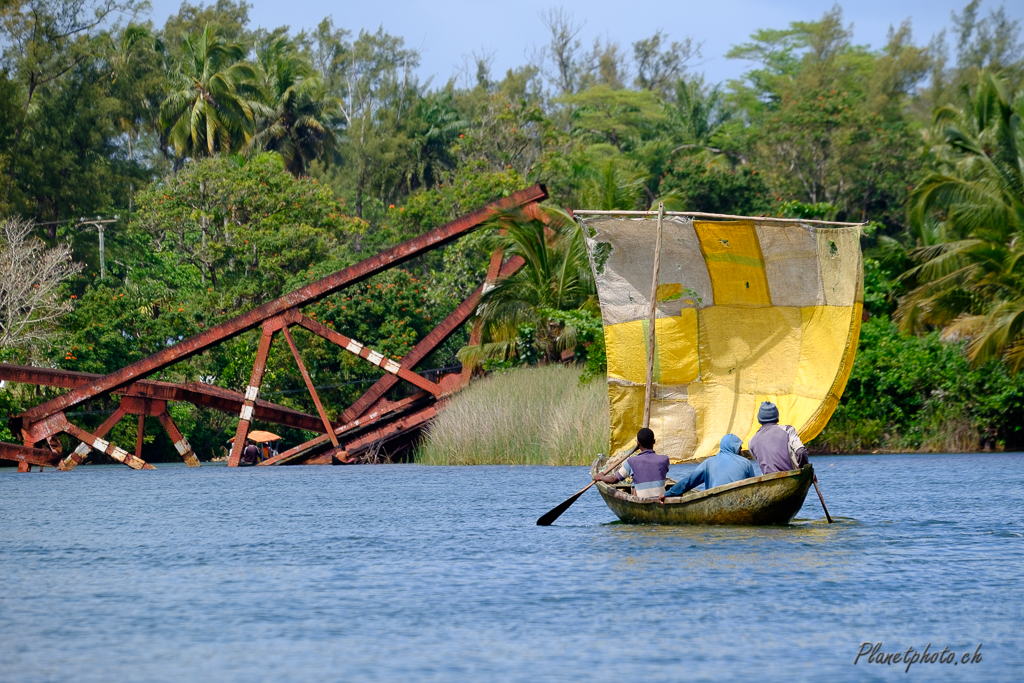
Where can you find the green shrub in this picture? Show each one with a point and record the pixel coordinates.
(920, 393)
(691, 184)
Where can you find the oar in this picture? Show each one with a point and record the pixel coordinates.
(549, 517)
(827, 516)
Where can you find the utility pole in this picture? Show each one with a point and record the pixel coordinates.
(99, 223)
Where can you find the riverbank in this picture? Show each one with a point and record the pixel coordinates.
(905, 395)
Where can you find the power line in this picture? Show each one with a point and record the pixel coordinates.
(81, 221)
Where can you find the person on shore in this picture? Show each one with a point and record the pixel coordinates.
(250, 454)
(778, 448)
(720, 469)
(647, 468)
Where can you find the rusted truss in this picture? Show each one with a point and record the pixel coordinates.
(196, 393)
(368, 401)
(26, 455)
(309, 294)
(371, 420)
(392, 420)
(312, 447)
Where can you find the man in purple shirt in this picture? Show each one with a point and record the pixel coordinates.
(647, 468)
(777, 448)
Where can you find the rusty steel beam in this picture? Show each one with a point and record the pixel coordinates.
(78, 456)
(118, 454)
(426, 346)
(354, 347)
(493, 272)
(44, 429)
(231, 402)
(392, 429)
(45, 377)
(496, 270)
(26, 455)
(196, 393)
(99, 443)
(259, 366)
(309, 385)
(140, 433)
(134, 405)
(180, 442)
(367, 419)
(493, 275)
(309, 294)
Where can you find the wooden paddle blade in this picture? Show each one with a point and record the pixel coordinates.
(554, 514)
(549, 517)
(827, 516)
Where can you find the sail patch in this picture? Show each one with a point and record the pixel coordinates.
(735, 263)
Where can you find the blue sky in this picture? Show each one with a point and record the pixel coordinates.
(447, 32)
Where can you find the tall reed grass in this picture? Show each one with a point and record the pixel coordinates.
(526, 416)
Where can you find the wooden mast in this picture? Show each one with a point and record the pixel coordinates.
(652, 316)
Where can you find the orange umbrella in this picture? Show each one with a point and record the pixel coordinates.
(259, 436)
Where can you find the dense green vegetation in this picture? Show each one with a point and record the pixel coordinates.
(919, 393)
(242, 163)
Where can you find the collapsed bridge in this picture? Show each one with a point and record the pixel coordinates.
(371, 422)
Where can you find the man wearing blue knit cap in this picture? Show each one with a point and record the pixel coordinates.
(776, 448)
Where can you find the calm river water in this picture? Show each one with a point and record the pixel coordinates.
(440, 574)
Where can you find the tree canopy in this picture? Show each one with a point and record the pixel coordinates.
(242, 162)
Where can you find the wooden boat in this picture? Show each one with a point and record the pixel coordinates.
(760, 501)
(703, 321)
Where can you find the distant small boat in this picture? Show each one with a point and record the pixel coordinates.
(760, 501)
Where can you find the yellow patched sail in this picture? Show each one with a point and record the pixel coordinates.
(747, 311)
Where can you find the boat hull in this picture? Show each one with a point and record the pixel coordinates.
(760, 501)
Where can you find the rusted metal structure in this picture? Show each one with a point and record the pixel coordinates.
(372, 422)
(146, 398)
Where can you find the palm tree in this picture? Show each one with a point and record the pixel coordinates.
(132, 58)
(435, 128)
(614, 183)
(972, 286)
(555, 277)
(700, 112)
(297, 123)
(210, 105)
(137, 73)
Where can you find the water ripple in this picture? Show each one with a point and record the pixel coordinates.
(435, 574)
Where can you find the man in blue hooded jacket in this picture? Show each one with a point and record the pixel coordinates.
(723, 468)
